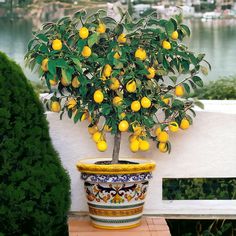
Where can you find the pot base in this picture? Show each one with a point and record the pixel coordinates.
(116, 227)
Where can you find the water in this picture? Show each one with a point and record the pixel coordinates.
(215, 38)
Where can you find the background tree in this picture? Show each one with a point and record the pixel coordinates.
(34, 187)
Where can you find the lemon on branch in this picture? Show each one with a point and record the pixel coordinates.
(134, 145)
(162, 147)
(107, 70)
(102, 146)
(44, 65)
(141, 54)
(75, 82)
(93, 129)
(146, 102)
(117, 101)
(144, 145)
(151, 72)
(163, 137)
(123, 126)
(98, 96)
(122, 38)
(115, 84)
(184, 124)
(55, 106)
(97, 136)
(166, 45)
(131, 86)
(101, 28)
(84, 33)
(175, 35)
(56, 44)
(179, 90)
(135, 106)
(173, 126)
(86, 52)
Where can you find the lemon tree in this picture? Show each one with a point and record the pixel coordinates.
(127, 76)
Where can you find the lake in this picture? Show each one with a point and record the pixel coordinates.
(215, 38)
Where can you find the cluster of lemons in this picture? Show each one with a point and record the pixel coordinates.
(138, 140)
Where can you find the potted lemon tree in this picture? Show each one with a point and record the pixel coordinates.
(121, 77)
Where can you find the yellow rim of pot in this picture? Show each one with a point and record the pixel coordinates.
(91, 168)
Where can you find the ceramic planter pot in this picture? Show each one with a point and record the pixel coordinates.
(116, 192)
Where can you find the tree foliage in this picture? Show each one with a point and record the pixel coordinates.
(126, 52)
(34, 187)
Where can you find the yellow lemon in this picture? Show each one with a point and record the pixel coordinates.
(173, 126)
(162, 147)
(92, 130)
(84, 116)
(64, 82)
(72, 103)
(134, 145)
(44, 64)
(56, 44)
(98, 96)
(166, 45)
(144, 145)
(184, 124)
(163, 137)
(158, 131)
(117, 101)
(131, 86)
(152, 73)
(133, 137)
(115, 84)
(83, 33)
(123, 126)
(135, 106)
(55, 106)
(141, 54)
(116, 55)
(86, 52)
(146, 102)
(122, 38)
(97, 136)
(101, 28)
(53, 82)
(107, 128)
(102, 146)
(75, 82)
(137, 130)
(122, 115)
(103, 78)
(179, 90)
(175, 35)
(165, 100)
(107, 70)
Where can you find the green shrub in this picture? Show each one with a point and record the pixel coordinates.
(34, 187)
(221, 89)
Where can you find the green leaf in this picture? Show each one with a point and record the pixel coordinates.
(43, 37)
(93, 39)
(185, 30)
(77, 116)
(199, 104)
(173, 79)
(52, 67)
(192, 84)
(80, 45)
(186, 87)
(198, 81)
(169, 27)
(66, 75)
(80, 13)
(60, 63)
(177, 104)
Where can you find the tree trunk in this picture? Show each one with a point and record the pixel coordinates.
(116, 148)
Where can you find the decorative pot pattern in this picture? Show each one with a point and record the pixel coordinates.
(116, 201)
